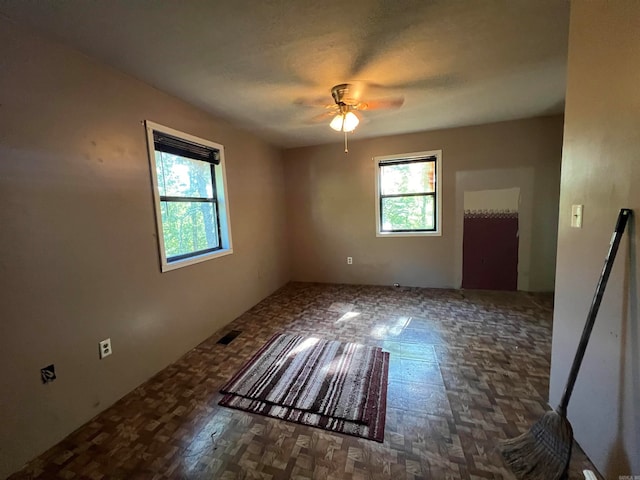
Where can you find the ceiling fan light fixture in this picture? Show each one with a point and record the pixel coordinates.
(337, 122)
(351, 121)
(345, 122)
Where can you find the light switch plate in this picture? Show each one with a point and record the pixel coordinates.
(576, 216)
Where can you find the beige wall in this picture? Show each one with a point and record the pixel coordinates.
(78, 251)
(331, 209)
(601, 169)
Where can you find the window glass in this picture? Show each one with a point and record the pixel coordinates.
(189, 227)
(414, 177)
(183, 177)
(408, 213)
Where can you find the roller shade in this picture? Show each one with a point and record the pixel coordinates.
(176, 146)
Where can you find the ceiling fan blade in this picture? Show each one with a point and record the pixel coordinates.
(381, 104)
(313, 102)
(323, 117)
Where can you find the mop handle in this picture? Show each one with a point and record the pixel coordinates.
(623, 216)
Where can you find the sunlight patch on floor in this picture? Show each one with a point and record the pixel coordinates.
(390, 330)
(347, 316)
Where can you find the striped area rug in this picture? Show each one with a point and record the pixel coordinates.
(337, 386)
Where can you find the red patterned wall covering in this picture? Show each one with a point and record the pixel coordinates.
(490, 250)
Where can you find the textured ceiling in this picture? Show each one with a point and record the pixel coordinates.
(455, 62)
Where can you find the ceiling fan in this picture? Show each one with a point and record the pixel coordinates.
(348, 103)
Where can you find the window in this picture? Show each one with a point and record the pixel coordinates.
(189, 189)
(408, 194)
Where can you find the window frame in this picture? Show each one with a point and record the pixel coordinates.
(219, 199)
(431, 155)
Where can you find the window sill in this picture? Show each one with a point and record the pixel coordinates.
(408, 234)
(167, 267)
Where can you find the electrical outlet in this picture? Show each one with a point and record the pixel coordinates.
(349, 260)
(105, 348)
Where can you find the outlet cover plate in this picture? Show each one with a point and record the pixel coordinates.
(105, 348)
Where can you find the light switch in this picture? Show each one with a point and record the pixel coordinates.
(576, 216)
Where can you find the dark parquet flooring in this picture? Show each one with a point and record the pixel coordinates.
(468, 368)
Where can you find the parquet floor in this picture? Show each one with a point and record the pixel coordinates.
(467, 369)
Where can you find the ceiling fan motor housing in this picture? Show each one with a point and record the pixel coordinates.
(340, 94)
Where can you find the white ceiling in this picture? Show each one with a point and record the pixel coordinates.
(455, 62)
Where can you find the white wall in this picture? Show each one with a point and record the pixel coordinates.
(601, 169)
(331, 204)
(78, 250)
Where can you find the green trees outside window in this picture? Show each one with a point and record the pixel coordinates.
(188, 205)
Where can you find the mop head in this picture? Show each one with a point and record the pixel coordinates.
(542, 453)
